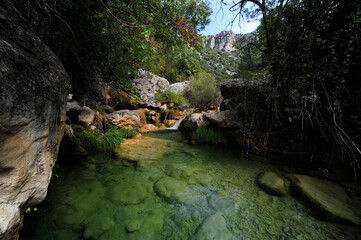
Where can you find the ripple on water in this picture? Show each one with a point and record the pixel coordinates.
(171, 190)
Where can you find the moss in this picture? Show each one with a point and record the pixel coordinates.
(97, 141)
(209, 135)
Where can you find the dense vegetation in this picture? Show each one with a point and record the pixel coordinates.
(311, 52)
(111, 39)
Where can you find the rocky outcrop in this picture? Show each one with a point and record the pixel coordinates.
(235, 91)
(327, 200)
(226, 40)
(32, 113)
(273, 183)
(125, 118)
(149, 85)
(223, 119)
(179, 87)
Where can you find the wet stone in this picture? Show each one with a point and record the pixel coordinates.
(129, 193)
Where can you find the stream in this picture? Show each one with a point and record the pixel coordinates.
(158, 186)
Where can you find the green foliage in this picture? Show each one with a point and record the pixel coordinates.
(203, 91)
(97, 141)
(188, 126)
(112, 39)
(209, 135)
(168, 96)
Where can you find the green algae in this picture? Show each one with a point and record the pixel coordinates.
(183, 192)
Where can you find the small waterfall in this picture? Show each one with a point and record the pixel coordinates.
(176, 125)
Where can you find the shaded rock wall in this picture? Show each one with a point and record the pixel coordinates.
(32, 113)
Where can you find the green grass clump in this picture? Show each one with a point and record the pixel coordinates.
(97, 141)
(209, 135)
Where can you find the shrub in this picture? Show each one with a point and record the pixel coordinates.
(168, 96)
(203, 91)
(209, 135)
(97, 141)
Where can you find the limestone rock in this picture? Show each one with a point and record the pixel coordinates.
(125, 118)
(170, 123)
(149, 85)
(33, 90)
(172, 114)
(179, 87)
(213, 227)
(327, 200)
(225, 40)
(86, 116)
(196, 119)
(148, 128)
(106, 108)
(72, 111)
(273, 183)
(223, 119)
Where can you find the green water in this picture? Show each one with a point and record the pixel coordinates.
(160, 187)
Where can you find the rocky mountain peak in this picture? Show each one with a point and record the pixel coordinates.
(225, 40)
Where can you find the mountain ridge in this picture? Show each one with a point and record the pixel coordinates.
(226, 40)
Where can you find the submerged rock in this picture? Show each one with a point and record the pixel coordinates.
(129, 193)
(33, 94)
(170, 189)
(97, 227)
(327, 200)
(273, 183)
(213, 227)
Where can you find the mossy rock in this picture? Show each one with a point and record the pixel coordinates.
(95, 228)
(128, 193)
(213, 227)
(179, 171)
(170, 189)
(273, 183)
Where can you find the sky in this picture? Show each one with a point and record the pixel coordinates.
(221, 18)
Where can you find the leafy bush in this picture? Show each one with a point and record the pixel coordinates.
(97, 141)
(203, 91)
(209, 135)
(170, 97)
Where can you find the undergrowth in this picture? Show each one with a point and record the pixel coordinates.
(209, 135)
(98, 141)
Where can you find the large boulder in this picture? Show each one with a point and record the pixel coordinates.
(327, 200)
(32, 114)
(125, 118)
(149, 85)
(223, 119)
(179, 87)
(235, 91)
(86, 116)
(273, 183)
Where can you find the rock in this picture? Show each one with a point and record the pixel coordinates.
(86, 116)
(170, 123)
(33, 90)
(179, 87)
(225, 40)
(129, 193)
(170, 189)
(123, 100)
(99, 225)
(142, 115)
(72, 111)
(327, 200)
(213, 227)
(148, 128)
(172, 114)
(273, 183)
(69, 97)
(223, 119)
(236, 91)
(125, 118)
(149, 85)
(193, 121)
(106, 108)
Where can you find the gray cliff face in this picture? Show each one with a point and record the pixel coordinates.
(225, 41)
(32, 113)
